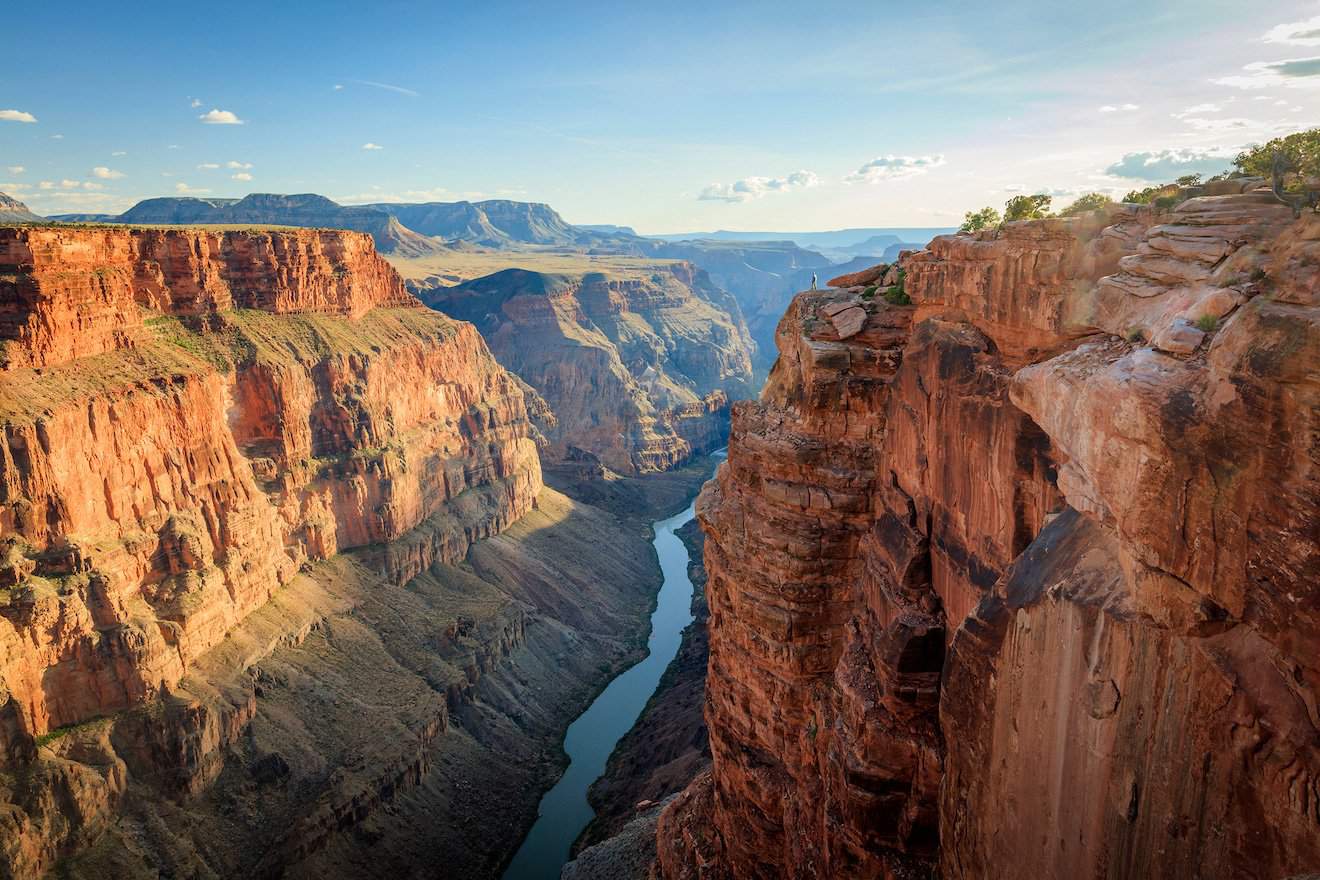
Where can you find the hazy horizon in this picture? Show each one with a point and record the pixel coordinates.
(687, 118)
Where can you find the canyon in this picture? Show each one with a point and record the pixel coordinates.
(636, 368)
(283, 591)
(1014, 568)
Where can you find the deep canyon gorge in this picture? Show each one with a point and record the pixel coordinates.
(1012, 571)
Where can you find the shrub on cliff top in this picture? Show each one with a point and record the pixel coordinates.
(1027, 207)
(1207, 323)
(974, 221)
(1301, 148)
(897, 294)
(1086, 204)
(1151, 194)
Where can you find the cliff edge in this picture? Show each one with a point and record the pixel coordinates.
(1021, 579)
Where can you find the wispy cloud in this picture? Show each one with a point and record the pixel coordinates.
(106, 173)
(1295, 33)
(117, 153)
(242, 175)
(884, 168)
(208, 166)
(1227, 125)
(338, 87)
(220, 117)
(68, 184)
(1118, 108)
(184, 189)
(1160, 166)
(16, 116)
(16, 169)
(387, 87)
(195, 103)
(370, 146)
(755, 187)
(1290, 73)
(239, 166)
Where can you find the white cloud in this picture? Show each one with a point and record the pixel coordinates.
(1231, 124)
(885, 168)
(756, 187)
(16, 169)
(1298, 73)
(238, 166)
(338, 87)
(370, 146)
(220, 117)
(57, 137)
(242, 175)
(208, 166)
(118, 153)
(67, 184)
(16, 116)
(106, 173)
(1295, 33)
(195, 103)
(80, 199)
(387, 87)
(184, 189)
(1119, 108)
(1161, 166)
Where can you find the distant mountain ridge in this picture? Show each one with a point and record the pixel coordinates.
(494, 223)
(836, 239)
(303, 209)
(14, 211)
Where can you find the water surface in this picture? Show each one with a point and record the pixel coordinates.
(564, 810)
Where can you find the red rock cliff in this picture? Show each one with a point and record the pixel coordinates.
(188, 416)
(1023, 580)
(638, 368)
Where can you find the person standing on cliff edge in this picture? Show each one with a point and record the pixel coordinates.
(813, 280)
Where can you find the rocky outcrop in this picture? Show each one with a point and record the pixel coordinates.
(761, 275)
(14, 211)
(637, 368)
(189, 417)
(1020, 580)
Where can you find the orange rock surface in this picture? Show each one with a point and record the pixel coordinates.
(189, 416)
(638, 370)
(1001, 587)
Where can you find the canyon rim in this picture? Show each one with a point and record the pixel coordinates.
(704, 442)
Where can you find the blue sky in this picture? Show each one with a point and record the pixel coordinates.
(673, 116)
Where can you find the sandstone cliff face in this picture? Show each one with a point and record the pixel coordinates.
(638, 370)
(188, 418)
(1021, 580)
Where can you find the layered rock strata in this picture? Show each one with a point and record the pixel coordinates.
(1021, 580)
(637, 370)
(189, 417)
